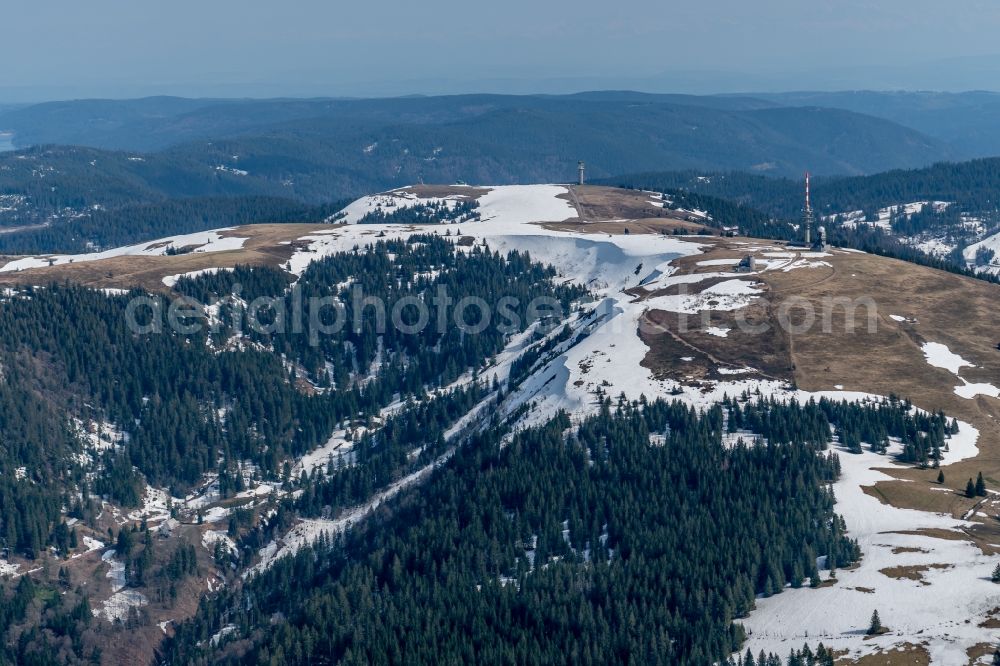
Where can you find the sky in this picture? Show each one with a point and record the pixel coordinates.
(53, 49)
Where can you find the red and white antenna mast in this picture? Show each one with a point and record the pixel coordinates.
(808, 217)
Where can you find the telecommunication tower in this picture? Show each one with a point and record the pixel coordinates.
(807, 217)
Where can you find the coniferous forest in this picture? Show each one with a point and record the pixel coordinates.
(560, 544)
(634, 535)
(739, 214)
(410, 334)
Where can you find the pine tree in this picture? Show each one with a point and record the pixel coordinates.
(996, 574)
(940, 477)
(124, 543)
(980, 486)
(970, 489)
(875, 626)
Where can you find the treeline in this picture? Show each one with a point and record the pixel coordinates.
(729, 214)
(751, 221)
(923, 436)
(558, 544)
(389, 272)
(435, 212)
(972, 185)
(95, 229)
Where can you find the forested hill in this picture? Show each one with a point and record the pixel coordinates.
(521, 138)
(154, 123)
(276, 477)
(197, 404)
(973, 184)
(966, 120)
(930, 215)
(73, 199)
(308, 153)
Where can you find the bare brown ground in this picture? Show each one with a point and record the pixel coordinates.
(665, 225)
(441, 191)
(912, 572)
(907, 549)
(672, 337)
(611, 210)
(976, 652)
(956, 311)
(935, 533)
(908, 655)
(992, 620)
(263, 247)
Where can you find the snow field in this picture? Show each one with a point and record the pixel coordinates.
(205, 241)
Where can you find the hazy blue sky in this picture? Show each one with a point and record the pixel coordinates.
(59, 48)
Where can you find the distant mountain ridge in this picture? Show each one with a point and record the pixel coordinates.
(967, 121)
(604, 128)
(973, 185)
(105, 172)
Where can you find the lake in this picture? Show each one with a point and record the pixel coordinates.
(6, 142)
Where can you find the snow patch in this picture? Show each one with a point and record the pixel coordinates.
(171, 280)
(939, 356)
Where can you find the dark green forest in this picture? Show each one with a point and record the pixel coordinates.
(69, 351)
(764, 207)
(632, 536)
(973, 185)
(131, 224)
(562, 545)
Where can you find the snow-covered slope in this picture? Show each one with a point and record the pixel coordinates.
(991, 243)
(205, 241)
(630, 275)
(928, 590)
(936, 237)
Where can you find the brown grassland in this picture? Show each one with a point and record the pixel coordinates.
(937, 306)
